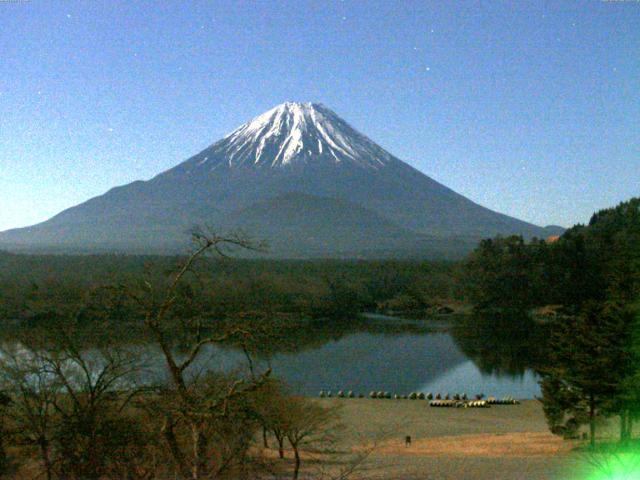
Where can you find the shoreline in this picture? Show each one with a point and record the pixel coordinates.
(497, 443)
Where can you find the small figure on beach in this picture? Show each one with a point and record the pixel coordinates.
(407, 440)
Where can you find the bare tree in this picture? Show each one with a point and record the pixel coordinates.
(95, 387)
(315, 433)
(33, 393)
(188, 406)
(306, 425)
(309, 425)
(69, 404)
(272, 412)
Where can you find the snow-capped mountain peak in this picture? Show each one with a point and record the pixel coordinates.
(293, 133)
(297, 176)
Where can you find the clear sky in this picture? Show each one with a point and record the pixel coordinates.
(529, 108)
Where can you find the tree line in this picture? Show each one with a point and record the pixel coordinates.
(41, 288)
(592, 274)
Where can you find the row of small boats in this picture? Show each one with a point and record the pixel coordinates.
(437, 400)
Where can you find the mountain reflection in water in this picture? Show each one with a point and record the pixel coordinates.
(492, 355)
(495, 355)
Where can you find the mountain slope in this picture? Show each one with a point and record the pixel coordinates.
(312, 226)
(294, 158)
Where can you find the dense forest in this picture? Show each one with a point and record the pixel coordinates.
(595, 262)
(39, 287)
(592, 275)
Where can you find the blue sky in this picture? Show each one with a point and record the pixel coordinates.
(529, 108)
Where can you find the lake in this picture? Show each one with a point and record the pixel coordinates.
(402, 356)
(493, 355)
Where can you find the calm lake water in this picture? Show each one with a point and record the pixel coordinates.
(429, 362)
(491, 355)
(401, 357)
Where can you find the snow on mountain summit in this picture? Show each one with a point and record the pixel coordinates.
(297, 176)
(294, 133)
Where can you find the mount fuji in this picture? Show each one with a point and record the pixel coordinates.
(297, 176)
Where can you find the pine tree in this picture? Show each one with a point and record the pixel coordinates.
(591, 361)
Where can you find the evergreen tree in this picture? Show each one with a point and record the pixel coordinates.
(591, 360)
(499, 274)
(628, 401)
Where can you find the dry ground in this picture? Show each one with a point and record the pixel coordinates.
(501, 442)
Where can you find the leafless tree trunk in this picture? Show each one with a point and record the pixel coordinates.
(168, 431)
(156, 320)
(46, 458)
(296, 468)
(280, 436)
